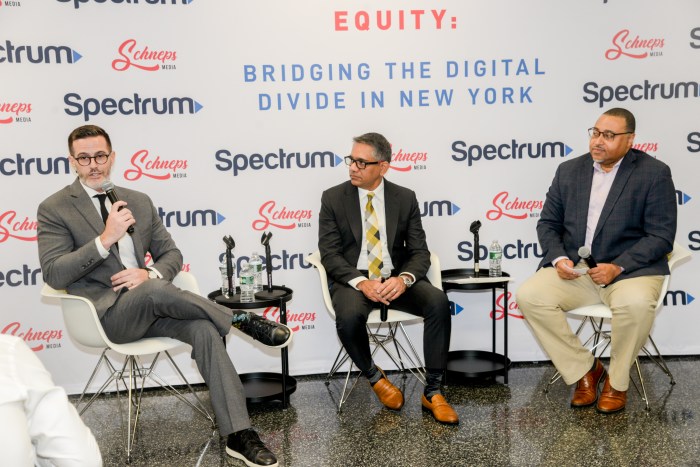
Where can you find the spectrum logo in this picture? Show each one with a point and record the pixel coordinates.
(145, 165)
(132, 105)
(455, 308)
(513, 150)
(439, 208)
(405, 161)
(281, 159)
(78, 3)
(513, 208)
(646, 91)
(17, 112)
(295, 321)
(519, 249)
(20, 277)
(34, 165)
(196, 218)
(281, 217)
(11, 53)
(625, 45)
(143, 58)
(682, 198)
(678, 297)
(693, 141)
(14, 226)
(36, 340)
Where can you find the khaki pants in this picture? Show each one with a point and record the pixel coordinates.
(544, 298)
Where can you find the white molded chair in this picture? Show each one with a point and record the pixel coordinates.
(600, 338)
(381, 333)
(83, 325)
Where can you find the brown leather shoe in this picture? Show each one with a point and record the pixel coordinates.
(586, 392)
(441, 410)
(611, 400)
(388, 394)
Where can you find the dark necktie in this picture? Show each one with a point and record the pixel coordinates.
(103, 208)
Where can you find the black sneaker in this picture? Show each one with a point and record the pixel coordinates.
(246, 446)
(267, 332)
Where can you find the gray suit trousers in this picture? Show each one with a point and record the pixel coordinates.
(157, 308)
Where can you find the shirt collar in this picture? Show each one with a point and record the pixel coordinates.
(378, 192)
(598, 168)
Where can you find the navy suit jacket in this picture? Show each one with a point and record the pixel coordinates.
(341, 225)
(68, 224)
(636, 228)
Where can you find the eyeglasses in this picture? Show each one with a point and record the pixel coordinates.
(100, 158)
(607, 135)
(359, 162)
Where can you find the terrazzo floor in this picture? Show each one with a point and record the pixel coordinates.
(500, 425)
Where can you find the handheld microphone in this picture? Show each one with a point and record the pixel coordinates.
(384, 309)
(108, 188)
(585, 253)
(474, 228)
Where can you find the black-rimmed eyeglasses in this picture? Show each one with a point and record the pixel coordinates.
(607, 135)
(359, 163)
(100, 158)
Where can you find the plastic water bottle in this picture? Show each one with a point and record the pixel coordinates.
(495, 255)
(246, 276)
(257, 265)
(225, 291)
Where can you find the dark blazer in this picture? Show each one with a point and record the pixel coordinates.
(68, 224)
(636, 228)
(340, 231)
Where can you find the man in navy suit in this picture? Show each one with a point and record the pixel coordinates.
(95, 258)
(621, 204)
(343, 246)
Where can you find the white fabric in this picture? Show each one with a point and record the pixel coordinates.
(38, 425)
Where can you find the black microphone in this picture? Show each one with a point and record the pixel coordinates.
(585, 253)
(383, 308)
(108, 188)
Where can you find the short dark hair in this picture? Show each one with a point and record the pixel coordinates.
(87, 131)
(382, 148)
(630, 122)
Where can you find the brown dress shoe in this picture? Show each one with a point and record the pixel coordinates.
(586, 392)
(388, 394)
(441, 410)
(611, 400)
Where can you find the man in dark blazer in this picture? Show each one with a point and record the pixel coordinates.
(343, 246)
(98, 260)
(621, 204)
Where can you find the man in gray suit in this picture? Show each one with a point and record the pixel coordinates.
(621, 204)
(344, 241)
(95, 258)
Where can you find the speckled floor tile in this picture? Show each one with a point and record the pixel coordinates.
(500, 425)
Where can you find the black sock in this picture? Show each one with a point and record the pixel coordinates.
(433, 381)
(373, 374)
(595, 362)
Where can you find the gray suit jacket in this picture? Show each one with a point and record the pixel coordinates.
(636, 228)
(341, 224)
(68, 224)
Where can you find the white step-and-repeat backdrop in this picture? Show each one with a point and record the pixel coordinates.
(234, 116)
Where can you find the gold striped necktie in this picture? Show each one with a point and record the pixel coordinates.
(374, 244)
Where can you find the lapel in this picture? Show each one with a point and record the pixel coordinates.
(85, 207)
(623, 175)
(351, 201)
(583, 184)
(391, 213)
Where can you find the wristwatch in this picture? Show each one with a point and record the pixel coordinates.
(406, 280)
(151, 273)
